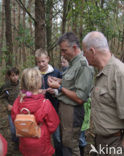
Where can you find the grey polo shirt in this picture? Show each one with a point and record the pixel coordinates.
(78, 78)
(108, 98)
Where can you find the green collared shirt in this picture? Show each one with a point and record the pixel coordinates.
(107, 100)
(78, 78)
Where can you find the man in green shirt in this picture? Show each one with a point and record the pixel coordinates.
(74, 89)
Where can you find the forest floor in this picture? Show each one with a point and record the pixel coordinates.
(5, 131)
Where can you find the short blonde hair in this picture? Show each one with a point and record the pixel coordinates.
(31, 79)
(40, 52)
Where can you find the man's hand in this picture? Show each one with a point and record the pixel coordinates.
(55, 79)
(53, 83)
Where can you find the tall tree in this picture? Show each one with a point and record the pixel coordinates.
(24, 26)
(49, 6)
(9, 43)
(64, 16)
(40, 24)
(2, 30)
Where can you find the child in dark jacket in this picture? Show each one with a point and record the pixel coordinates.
(43, 110)
(42, 61)
(8, 93)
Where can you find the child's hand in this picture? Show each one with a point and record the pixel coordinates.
(50, 90)
(9, 107)
(42, 91)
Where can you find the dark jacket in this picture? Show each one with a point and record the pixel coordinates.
(55, 73)
(9, 92)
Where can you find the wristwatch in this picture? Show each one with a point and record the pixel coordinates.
(60, 88)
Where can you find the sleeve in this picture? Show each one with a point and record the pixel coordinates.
(51, 118)
(119, 98)
(15, 110)
(3, 146)
(84, 82)
(58, 73)
(4, 95)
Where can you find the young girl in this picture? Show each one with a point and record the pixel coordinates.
(43, 110)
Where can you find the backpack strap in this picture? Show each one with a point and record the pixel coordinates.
(25, 110)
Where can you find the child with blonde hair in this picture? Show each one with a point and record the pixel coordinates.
(41, 108)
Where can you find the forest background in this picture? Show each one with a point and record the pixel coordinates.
(26, 25)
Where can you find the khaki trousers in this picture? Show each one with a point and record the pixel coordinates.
(70, 134)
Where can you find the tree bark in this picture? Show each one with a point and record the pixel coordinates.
(9, 43)
(24, 26)
(2, 30)
(65, 5)
(39, 24)
(49, 14)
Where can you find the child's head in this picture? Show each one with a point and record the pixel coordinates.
(31, 80)
(13, 74)
(64, 62)
(42, 59)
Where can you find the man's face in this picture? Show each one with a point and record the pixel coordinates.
(42, 62)
(67, 51)
(14, 77)
(88, 54)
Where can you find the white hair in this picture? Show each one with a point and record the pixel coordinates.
(97, 40)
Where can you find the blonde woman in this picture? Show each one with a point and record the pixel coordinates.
(45, 114)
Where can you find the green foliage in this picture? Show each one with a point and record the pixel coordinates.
(24, 37)
(94, 16)
(30, 62)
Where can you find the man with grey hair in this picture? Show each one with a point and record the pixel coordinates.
(73, 90)
(107, 99)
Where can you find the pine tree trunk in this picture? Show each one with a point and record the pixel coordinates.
(23, 46)
(40, 24)
(65, 5)
(18, 54)
(9, 43)
(2, 30)
(49, 12)
(30, 21)
(14, 32)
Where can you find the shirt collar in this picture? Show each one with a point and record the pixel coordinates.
(76, 58)
(49, 70)
(106, 70)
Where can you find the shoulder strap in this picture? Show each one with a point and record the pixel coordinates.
(25, 110)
